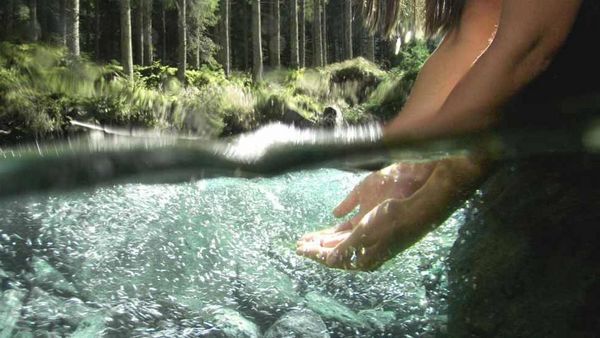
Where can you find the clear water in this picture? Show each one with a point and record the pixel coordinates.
(84, 256)
(209, 258)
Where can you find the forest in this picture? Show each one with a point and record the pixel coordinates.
(208, 67)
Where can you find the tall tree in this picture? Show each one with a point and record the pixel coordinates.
(348, 29)
(33, 21)
(317, 35)
(294, 57)
(126, 48)
(163, 31)
(275, 42)
(97, 28)
(182, 39)
(147, 32)
(62, 22)
(257, 57)
(324, 30)
(73, 27)
(225, 9)
(302, 33)
(139, 33)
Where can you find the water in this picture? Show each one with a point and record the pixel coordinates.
(163, 260)
(204, 257)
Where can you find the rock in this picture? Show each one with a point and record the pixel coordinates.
(333, 311)
(332, 117)
(92, 326)
(231, 323)
(265, 293)
(51, 312)
(10, 310)
(47, 275)
(526, 260)
(298, 324)
(379, 320)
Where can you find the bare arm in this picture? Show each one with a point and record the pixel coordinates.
(453, 58)
(529, 34)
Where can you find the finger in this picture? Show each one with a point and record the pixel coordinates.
(348, 204)
(331, 241)
(314, 251)
(312, 235)
(348, 225)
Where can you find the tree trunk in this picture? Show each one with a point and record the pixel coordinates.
(324, 31)
(370, 50)
(126, 48)
(182, 39)
(163, 29)
(348, 29)
(302, 33)
(294, 59)
(73, 27)
(139, 33)
(98, 29)
(62, 22)
(10, 22)
(225, 37)
(318, 35)
(197, 51)
(275, 43)
(148, 43)
(43, 9)
(33, 21)
(257, 58)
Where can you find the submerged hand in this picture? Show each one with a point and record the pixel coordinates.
(397, 181)
(395, 223)
(383, 232)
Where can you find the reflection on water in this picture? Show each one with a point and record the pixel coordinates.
(213, 258)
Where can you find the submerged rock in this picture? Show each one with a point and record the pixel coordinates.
(47, 275)
(379, 320)
(266, 293)
(298, 324)
(333, 311)
(526, 261)
(231, 323)
(92, 326)
(10, 311)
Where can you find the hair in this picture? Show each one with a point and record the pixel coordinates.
(385, 15)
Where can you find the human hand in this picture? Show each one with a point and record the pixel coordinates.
(384, 231)
(397, 181)
(396, 223)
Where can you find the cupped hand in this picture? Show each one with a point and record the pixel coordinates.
(383, 232)
(397, 181)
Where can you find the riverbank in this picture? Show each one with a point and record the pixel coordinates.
(42, 90)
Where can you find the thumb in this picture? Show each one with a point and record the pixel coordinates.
(347, 205)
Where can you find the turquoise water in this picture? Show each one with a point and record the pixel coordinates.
(205, 258)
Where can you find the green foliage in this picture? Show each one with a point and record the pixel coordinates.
(41, 90)
(390, 96)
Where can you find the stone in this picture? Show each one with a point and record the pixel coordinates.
(302, 323)
(333, 311)
(47, 275)
(379, 320)
(10, 311)
(92, 326)
(265, 293)
(526, 261)
(231, 323)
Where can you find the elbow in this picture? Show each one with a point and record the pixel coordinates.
(529, 59)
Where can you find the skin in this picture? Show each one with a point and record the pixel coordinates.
(498, 48)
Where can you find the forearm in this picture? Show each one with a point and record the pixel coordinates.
(524, 46)
(451, 182)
